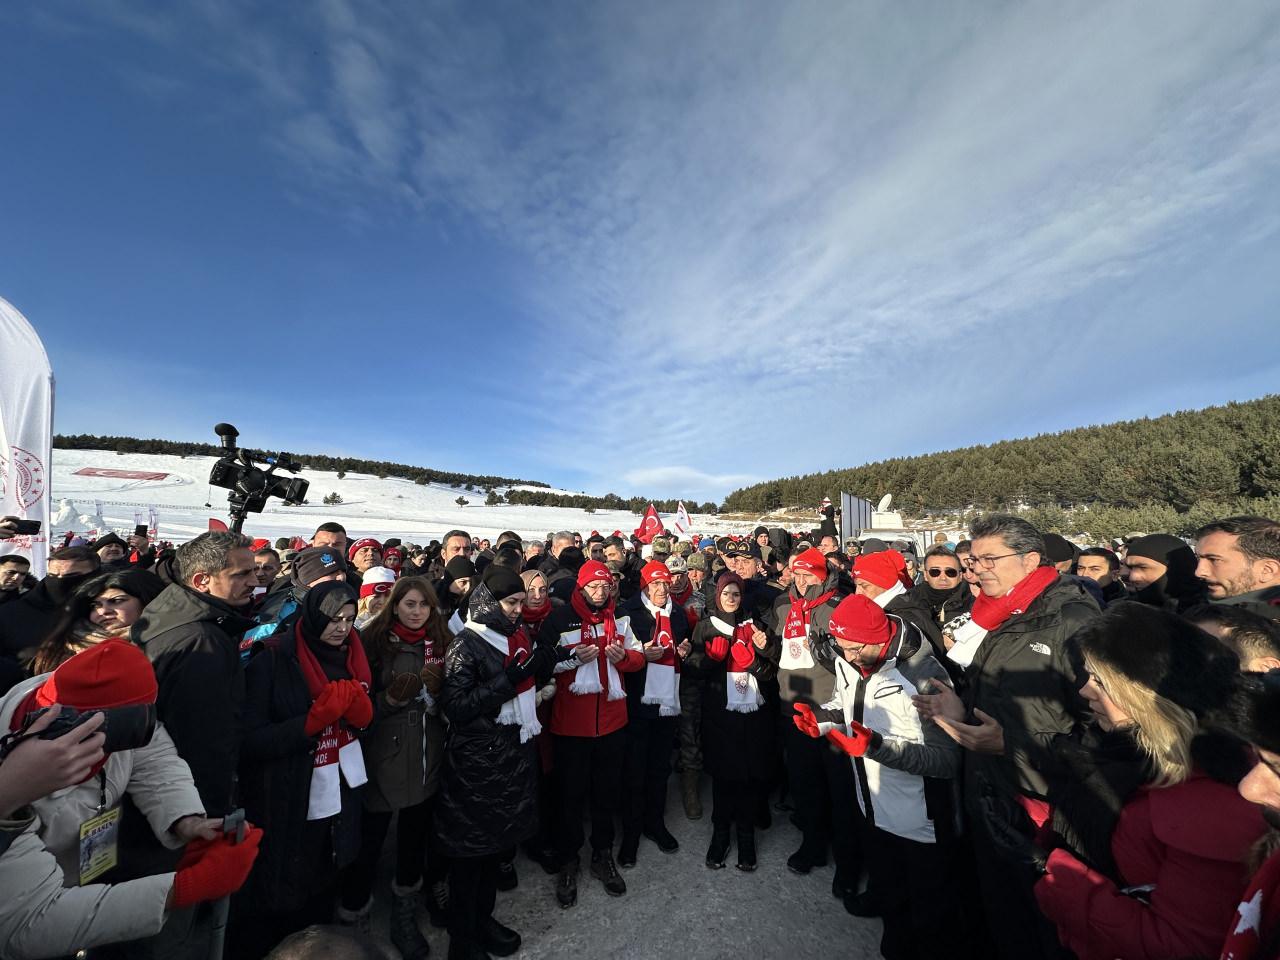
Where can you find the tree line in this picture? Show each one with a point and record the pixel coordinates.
(610, 501)
(1157, 473)
(309, 461)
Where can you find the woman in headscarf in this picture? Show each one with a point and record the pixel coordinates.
(488, 791)
(406, 643)
(302, 768)
(739, 717)
(104, 608)
(1160, 571)
(1183, 836)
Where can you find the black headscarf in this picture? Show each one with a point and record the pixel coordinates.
(1179, 588)
(321, 604)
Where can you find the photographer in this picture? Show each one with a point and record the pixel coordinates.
(74, 784)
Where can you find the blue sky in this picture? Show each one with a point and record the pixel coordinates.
(660, 248)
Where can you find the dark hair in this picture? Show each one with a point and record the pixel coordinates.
(10, 558)
(264, 550)
(330, 527)
(77, 553)
(1248, 634)
(963, 546)
(1109, 555)
(376, 634)
(1259, 537)
(327, 941)
(508, 536)
(941, 550)
(61, 643)
(1015, 533)
(455, 533)
(617, 542)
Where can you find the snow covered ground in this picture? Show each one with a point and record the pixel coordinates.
(184, 502)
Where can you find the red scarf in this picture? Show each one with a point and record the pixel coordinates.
(517, 642)
(337, 735)
(1257, 920)
(406, 635)
(535, 615)
(683, 597)
(592, 618)
(662, 636)
(990, 613)
(797, 624)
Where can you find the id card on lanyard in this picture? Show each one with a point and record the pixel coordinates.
(99, 838)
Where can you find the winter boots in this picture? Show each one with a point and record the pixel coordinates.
(437, 898)
(405, 935)
(358, 920)
(604, 870)
(691, 794)
(567, 884)
(719, 848)
(662, 838)
(746, 849)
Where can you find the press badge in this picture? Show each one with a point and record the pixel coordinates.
(99, 849)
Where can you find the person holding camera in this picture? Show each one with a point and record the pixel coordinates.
(70, 835)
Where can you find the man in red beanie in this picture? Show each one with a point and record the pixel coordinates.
(898, 761)
(61, 909)
(363, 554)
(587, 719)
(883, 577)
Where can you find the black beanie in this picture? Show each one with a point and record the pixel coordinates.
(502, 581)
(1058, 548)
(1156, 546)
(315, 562)
(459, 568)
(107, 541)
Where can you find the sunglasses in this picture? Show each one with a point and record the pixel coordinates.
(942, 572)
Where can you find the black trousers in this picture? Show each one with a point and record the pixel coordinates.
(646, 768)
(735, 802)
(1015, 924)
(918, 903)
(473, 888)
(411, 845)
(587, 769)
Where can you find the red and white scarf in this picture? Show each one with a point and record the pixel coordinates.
(990, 613)
(662, 677)
(1257, 920)
(742, 692)
(338, 750)
(795, 632)
(522, 709)
(599, 629)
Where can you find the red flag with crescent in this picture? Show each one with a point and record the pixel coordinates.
(216, 524)
(651, 526)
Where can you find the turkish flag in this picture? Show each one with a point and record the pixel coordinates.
(215, 524)
(650, 526)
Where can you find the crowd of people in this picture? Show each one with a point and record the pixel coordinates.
(1008, 745)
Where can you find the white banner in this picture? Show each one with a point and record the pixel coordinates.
(682, 525)
(26, 434)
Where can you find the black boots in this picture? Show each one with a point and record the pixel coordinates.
(719, 848)
(627, 851)
(507, 877)
(662, 837)
(499, 939)
(567, 884)
(604, 870)
(746, 849)
(405, 935)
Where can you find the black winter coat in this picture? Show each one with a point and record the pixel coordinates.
(738, 746)
(1027, 676)
(298, 857)
(813, 685)
(192, 640)
(25, 622)
(488, 787)
(642, 626)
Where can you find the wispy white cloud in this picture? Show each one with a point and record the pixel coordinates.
(729, 209)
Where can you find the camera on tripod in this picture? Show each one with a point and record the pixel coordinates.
(249, 484)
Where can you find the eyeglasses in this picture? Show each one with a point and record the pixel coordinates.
(988, 563)
(942, 572)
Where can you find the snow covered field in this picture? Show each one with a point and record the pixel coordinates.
(370, 507)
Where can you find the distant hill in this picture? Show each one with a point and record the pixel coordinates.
(382, 468)
(1162, 473)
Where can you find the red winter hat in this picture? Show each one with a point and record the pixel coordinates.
(260, 543)
(593, 570)
(113, 673)
(654, 571)
(859, 620)
(884, 569)
(361, 544)
(390, 552)
(812, 561)
(377, 580)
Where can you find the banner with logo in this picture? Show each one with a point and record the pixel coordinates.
(26, 434)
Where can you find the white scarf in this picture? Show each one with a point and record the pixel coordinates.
(586, 679)
(967, 637)
(660, 678)
(897, 590)
(522, 709)
(337, 752)
(741, 691)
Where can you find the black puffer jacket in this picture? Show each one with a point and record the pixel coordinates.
(642, 626)
(1027, 676)
(488, 787)
(298, 856)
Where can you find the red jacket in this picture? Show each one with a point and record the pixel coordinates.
(588, 714)
(1189, 843)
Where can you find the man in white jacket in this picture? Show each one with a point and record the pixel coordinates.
(68, 838)
(903, 772)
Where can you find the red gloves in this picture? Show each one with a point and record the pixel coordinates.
(359, 712)
(740, 656)
(856, 745)
(328, 706)
(718, 648)
(213, 869)
(805, 720)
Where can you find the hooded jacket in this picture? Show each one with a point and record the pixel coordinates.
(191, 639)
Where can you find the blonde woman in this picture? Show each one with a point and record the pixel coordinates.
(1181, 841)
